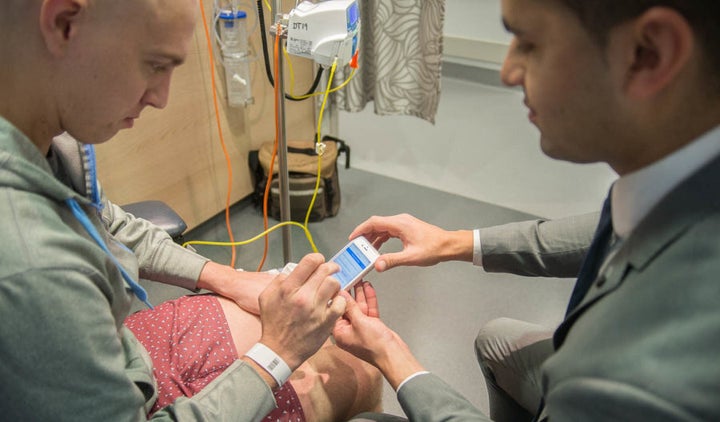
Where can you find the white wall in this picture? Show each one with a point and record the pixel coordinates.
(474, 33)
(482, 145)
(475, 19)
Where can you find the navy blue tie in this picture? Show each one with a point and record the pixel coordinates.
(588, 273)
(594, 258)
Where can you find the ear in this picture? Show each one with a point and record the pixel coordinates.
(58, 22)
(663, 43)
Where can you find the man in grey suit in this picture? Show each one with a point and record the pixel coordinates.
(634, 84)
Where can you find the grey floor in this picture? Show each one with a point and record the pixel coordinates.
(436, 310)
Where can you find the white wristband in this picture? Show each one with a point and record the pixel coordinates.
(270, 361)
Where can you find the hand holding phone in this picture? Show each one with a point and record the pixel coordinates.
(356, 259)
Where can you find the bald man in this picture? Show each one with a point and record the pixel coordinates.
(83, 70)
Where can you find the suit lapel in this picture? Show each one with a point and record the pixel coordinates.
(688, 203)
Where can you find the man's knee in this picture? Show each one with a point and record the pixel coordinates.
(503, 338)
(510, 353)
(335, 385)
(491, 342)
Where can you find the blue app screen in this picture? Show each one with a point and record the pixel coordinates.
(352, 262)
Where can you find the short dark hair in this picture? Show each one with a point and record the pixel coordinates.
(600, 16)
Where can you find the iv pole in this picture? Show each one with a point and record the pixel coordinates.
(283, 176)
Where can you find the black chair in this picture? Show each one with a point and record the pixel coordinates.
(160, 214)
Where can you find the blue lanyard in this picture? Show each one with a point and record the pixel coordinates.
(92, 186)
(84, 220)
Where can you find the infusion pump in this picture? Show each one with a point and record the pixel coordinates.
(324, 30)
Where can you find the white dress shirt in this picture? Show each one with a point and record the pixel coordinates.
(636, 194)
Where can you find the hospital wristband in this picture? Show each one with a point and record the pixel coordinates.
(270, 362)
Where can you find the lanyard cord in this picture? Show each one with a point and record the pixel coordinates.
(92, 231)
(84, 220)
(91, 176)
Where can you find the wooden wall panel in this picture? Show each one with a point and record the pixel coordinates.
(175, 154)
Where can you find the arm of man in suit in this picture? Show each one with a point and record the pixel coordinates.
(540, 248)
(423, 396)
(549, 248)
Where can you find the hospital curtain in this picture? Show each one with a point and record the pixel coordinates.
(400, 59)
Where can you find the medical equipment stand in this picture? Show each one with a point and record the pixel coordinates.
(283, 174)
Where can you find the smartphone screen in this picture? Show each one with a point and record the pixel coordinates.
(353, 264)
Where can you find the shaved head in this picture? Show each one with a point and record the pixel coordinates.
(88, 67)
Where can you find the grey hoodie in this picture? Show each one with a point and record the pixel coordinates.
(64, 352)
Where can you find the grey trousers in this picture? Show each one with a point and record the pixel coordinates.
(510, 353)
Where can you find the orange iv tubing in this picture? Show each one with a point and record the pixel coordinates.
(275, 149)
(220, 133)
(267, 230)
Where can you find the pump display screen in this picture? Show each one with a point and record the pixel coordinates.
(353, 14)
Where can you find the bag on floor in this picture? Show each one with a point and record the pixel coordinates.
(302, 163)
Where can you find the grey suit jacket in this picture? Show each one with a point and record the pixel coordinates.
(644, 344)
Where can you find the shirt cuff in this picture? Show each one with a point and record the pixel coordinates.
(416, 374)
(477, 248)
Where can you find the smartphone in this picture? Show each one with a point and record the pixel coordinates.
(356, 259)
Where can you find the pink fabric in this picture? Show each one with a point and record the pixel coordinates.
(190, 344)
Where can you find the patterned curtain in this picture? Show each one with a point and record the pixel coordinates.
(400, 59)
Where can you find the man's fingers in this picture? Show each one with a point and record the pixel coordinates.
(389, 260)
(311, 273)
(374, 227)
(366, 299)
(359, 292)
(337, 307)
(373, 308)
(360, 296)
(328, 289)
(380, 240)
(352, 307)
(304, 270)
